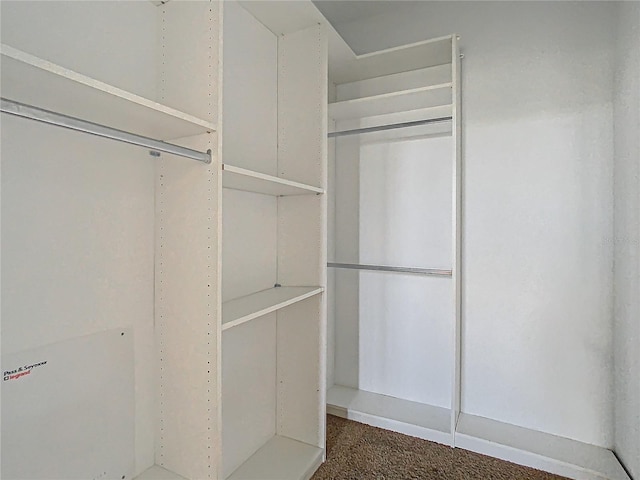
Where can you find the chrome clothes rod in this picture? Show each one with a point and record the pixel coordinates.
(436, 272)
(52, 118)
(392, 126)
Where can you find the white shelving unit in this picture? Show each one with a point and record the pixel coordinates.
(273, 245)
(374, 95)
(124, 239)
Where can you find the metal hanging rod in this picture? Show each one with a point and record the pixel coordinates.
(392, 126)
(435, 272)
(52, 118)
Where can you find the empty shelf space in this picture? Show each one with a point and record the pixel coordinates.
(532, 448)
(243, 309)
(238, 178)
(403, 416)
(158, 473)
(34, 81)
(394, 102)
(280, 458)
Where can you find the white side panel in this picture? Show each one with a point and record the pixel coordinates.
(82, 390)
(301, 350)
(250, 92)
(405, 346)
(249, 233)
(405, 203)
(302, 106)
(627, 239)
(77, 244)
(186, 306)
(249, 390)
(114, 42)
(188, 56)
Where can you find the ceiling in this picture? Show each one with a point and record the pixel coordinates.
(344, 11)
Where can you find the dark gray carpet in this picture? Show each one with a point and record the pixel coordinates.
(360, 452)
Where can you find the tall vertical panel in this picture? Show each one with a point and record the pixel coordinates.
(456, 222)
(187, 250)
(627, 238)
(187, 332)
(302, 242)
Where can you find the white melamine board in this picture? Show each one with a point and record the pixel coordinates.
(398, 101)
(347, 327)
(158, 473)
(249, 243)
(240, 310)
(302, 240)
(456, 234)
(248, 390)
(394, 82)
(302, 106)
(124, 57)
(186, 299)
(249, 181)
(537, 449)
(405, 337)
(331, 244)
(82, 389)
(281, 458)
(411, 418)
(405, 203)
(78, 228)
(301, 374)
(399, 59)
(189, 34)
(34, 81)
(627, 239)
(250, 92)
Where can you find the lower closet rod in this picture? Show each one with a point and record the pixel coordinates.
(392, 126)
(52, 118)
(383, 268)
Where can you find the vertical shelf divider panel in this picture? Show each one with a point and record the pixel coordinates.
(187, 250)
(302, 244)
(456, 223)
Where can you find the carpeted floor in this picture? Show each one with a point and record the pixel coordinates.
(360, 452)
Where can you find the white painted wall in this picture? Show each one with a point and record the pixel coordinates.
(538, 206)
(627, 237)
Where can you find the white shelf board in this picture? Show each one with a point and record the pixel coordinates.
(158, 473)
(535, 449)
(249, 181)
(394, 102)
(345, 67)
(34, 81)
(281, 458)
(243, 309)
(403, 416)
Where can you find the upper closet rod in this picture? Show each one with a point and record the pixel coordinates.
(52, 118)
(392, 126)
(436, 272)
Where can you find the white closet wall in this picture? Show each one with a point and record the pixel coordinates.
(627, 237)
